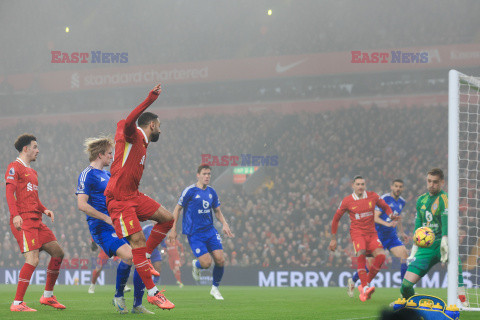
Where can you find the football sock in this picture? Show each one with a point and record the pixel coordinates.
(217, 275)
(123, 271)
(23, 280)
(138, 289)
(178, 275)
(355, 276)
(377, 265)
(362, 273)
(403, 270)
(156, 279)
(198, 265)
(407, 289)
(158, 233)
(53, 270)
(142, 267)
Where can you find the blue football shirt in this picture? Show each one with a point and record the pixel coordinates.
(397, 207)
(198, 205)
(93, 182)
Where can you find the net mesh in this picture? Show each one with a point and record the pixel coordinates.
(469, 186)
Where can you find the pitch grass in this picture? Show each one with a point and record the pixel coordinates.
(195, 302)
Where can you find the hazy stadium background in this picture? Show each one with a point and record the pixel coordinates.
(238, 81)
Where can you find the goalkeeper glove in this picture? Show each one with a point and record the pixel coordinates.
(411, 258)
(444, 249)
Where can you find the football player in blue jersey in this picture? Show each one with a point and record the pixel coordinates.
(91, 200)
(387, 230)
(198, 201)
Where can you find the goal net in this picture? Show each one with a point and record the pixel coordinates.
(464, 187)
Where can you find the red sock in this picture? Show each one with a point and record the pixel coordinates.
(53, 270)
(23, 280)
(141, 265)
(178, 276)
(158, 233)
(377, 264)
(95, 275)
(362, 273)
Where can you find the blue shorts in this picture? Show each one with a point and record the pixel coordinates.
(390, 240)
(205, 242)
(109, 242)
(156, 256)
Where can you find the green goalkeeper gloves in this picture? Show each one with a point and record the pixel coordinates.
(444, 249)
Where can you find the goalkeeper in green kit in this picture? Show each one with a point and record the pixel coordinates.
(432, 212)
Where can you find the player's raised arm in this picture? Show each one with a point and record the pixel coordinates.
(130, 122)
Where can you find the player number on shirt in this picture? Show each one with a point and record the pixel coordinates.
(143, 160)
(428, 216)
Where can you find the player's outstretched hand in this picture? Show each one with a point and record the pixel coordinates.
(333, 245)
(17, 222)
(157, 89)
(49, 213)
(227, 231)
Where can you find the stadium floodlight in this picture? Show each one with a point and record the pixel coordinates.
(464, 186)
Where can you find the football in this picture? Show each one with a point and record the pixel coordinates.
(424, 237)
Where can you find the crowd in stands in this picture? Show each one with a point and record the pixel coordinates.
(181, 31)
(286, 223)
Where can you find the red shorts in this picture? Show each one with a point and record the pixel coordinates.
(369, 242)
(33, 235)
(127, 214)
(174, 262)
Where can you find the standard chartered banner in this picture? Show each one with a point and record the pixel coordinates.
(247, 276)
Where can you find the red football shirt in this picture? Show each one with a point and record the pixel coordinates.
(361, 211)
(172, 250)
(131, 144)
(25, 180)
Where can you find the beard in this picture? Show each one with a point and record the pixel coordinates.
(154, 136)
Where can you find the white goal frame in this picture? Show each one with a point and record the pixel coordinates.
(454, 80)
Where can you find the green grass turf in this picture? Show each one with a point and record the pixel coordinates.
(194, 302)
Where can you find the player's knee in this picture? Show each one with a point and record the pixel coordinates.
(206, 264)
(32, 261)
(380, 259)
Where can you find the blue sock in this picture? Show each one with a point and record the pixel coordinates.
(156, 279)
(123, 271)
(198, 265)
(138, 289)
(355, 277)
(217, 275)
(403, 270)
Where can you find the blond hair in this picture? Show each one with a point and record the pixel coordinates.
(96, 146)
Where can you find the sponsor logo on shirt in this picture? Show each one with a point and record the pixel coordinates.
(31, 187)
(205, 204)
(198, 196)
(363, 215)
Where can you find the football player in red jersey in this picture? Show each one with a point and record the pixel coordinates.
(26, 223)
(126, 205)
(174, 258)
(361, 206)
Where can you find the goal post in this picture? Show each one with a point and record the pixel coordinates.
(464, 186)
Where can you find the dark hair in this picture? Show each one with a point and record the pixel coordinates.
(203, 166)
(437, 172)
(357, 177)
(145, 119)
(24, 140)
(397, 180)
